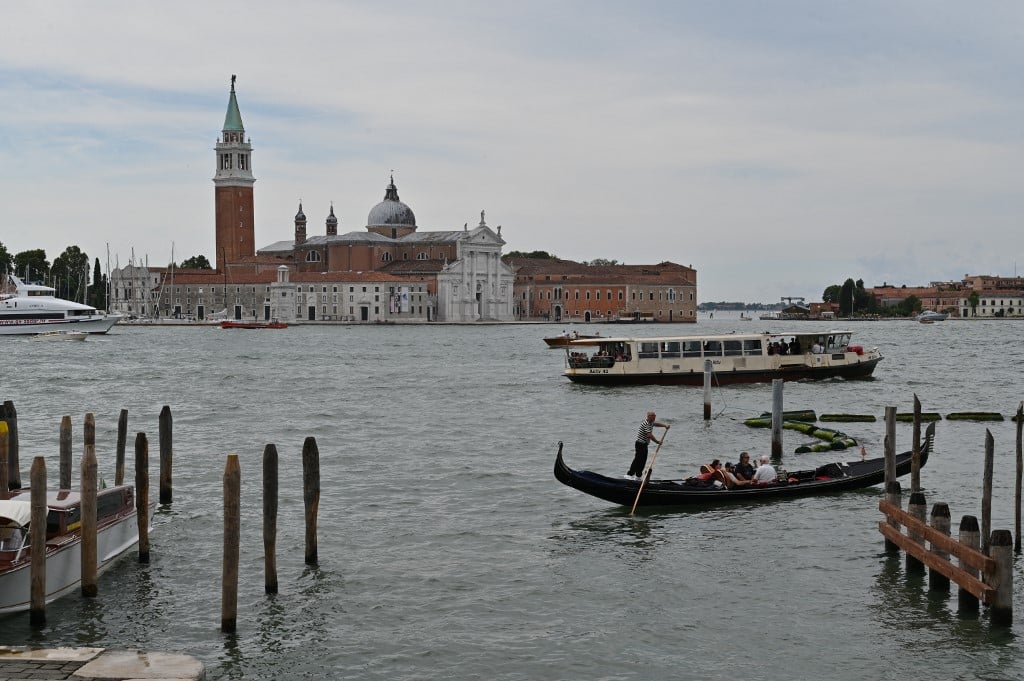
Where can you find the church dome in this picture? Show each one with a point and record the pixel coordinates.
(391, 212)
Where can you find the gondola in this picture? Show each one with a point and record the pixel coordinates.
(832, 477)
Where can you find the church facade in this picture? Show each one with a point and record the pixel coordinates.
(389, 272)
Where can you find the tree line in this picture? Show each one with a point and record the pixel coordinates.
(69, 273)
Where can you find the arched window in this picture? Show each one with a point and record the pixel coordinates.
(313, 256)
(386, 257)
(422, 256)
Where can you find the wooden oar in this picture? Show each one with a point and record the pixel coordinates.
(648, 473)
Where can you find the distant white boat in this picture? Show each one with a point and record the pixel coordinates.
(34, 309)
(932, 316)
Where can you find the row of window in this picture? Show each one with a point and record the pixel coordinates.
(560, 294)
(227, 161)
(695, 348)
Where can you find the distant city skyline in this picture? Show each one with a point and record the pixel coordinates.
(776, 148)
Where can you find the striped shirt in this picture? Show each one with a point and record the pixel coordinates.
(644, 433)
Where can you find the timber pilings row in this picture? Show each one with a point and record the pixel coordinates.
(232, 523)
(10, 479)
(984, 569)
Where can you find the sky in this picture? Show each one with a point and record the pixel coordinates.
(776, 147)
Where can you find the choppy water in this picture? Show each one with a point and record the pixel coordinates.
(448, 550)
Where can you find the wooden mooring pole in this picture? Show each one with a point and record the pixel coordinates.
(311, 495)
(270, 519)
(939, 522)
(918, 508)
(915, 455)
(142, 494)
(232, 534)
(986, 492)
(37, 537)
(1001, 551)
(88, 492)
(890, 444)
(893, 494)
(4, 477)
(122, 441)
(777, 384)
(166, 454)
(10, 415)
(65, 453)
(970, 537)
(708, 369)
(1017, 480)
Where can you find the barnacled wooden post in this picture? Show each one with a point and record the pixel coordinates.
(37, 537)
(939, 522)
(88, 492)
(970, 537)
(142, 494)
(918, 508)
(986, 492)
(13, 469)
(311, 495)
(166, 450)
(890, 444)
(270, 518)
(65, 453)
(232, 533)
(122, 441)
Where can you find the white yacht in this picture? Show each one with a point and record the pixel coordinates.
(34, 309)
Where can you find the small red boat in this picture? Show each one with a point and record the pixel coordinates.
(229, 324)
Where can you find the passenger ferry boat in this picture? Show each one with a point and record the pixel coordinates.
(34, 309)
(735, 358)
(117, 532)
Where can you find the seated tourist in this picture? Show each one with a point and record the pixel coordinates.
(765, 473)
(730, 478)
(744, 470)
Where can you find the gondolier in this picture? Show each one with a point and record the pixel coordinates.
(644, 436)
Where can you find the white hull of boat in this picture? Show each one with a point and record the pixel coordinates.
(64, 564)
(24, 327)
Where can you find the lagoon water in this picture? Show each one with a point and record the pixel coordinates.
(448, 550)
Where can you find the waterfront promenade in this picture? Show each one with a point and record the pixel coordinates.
(18, 662)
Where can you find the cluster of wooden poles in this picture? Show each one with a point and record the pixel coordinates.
(984, 569)
(10, 479)
(233, 523)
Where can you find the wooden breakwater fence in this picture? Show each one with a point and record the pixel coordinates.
(984, 557)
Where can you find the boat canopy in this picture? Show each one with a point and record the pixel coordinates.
(15, 512)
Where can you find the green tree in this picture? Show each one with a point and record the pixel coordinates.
(973, 299)
(600, 262)
(6, 261)
(909, 306)
(71, 269)
(832, 293)
(32, 265)
(196, 262)
(846, 301)
(532, 254)
(98, 290)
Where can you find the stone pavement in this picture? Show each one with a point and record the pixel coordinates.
(18, 663)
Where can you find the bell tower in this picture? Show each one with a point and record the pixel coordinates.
(233, 189)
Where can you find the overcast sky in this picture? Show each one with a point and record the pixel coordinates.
(777, 147)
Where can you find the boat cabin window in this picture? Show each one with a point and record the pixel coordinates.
(648, 350)
(670, 349)
(12, 537)
(733, 348)
(691, 348)
(713, 348)
(752, 347)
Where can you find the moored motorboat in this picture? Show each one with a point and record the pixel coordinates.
(117, 532)
(563, 339)
(932, 316)
(734, 357)
(235, 324)
(33, 309)
(825, 479)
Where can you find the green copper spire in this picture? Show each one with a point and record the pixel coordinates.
(233, 119)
